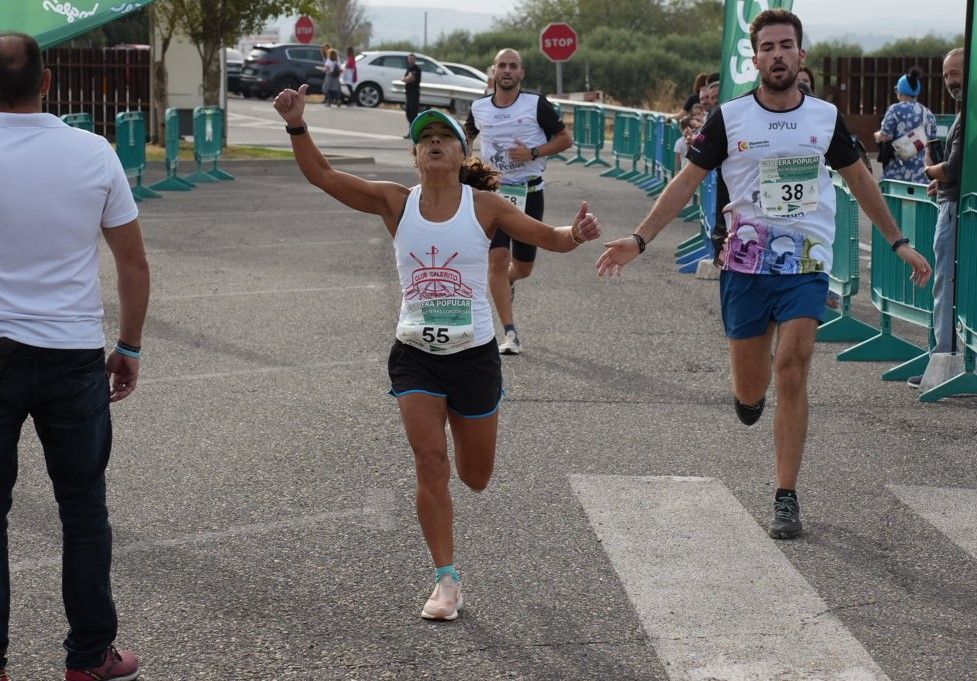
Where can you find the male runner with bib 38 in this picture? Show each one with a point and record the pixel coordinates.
(772, 145)
(444, 365)
(519, 130)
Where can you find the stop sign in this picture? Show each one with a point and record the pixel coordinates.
(304, 30)
(558, 42)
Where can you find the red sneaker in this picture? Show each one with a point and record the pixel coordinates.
(118, 666)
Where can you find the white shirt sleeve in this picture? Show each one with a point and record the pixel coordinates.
(120, 207)
(681, 147)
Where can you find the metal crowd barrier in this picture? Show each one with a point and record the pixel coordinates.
(588, 133)
(842, 327)
(626, 145)
(130, 145)
(893, 293)
(208, 137)
(173, 182)
(79, 120)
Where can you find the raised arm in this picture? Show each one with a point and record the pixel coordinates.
(378, 198)
(496, 212)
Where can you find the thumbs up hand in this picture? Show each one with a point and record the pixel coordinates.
(290, 104)
(585, 226)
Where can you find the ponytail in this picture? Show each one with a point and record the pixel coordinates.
(478, 174)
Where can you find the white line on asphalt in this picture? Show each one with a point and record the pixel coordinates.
(267, 291)
(951, 510)
(366, 359)
(372, 241)
(336, 132)
(716, 596)
(376, 511)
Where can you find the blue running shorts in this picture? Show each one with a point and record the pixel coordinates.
(751, 301)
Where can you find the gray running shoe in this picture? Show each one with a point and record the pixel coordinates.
(511, 344)
(786, 523)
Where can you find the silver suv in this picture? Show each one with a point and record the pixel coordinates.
(376, 72)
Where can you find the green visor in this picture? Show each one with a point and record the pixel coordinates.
(425, 118)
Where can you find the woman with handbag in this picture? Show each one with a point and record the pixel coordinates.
(906, 129)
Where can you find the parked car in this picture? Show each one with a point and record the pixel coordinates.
(376, 72)
(270, 68)
(466, 70)
(235, 63)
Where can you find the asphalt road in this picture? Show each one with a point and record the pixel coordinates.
(261, 488)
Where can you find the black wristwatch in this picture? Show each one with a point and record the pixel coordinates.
(298, 130)
(535, 152)
(904, 241)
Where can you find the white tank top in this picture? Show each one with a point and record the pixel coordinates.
(443, 269)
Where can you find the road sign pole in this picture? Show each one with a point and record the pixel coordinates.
(559, 79)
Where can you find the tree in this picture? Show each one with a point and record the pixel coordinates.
(165, 20)
(212, 24)
(345, 23)
(928, 46)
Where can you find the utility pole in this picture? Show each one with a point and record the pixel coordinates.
(425, 29)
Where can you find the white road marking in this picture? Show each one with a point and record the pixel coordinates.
(952, 511)
(717, 598)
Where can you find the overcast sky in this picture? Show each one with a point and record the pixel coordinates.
(863, 16)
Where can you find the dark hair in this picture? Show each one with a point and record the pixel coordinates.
(699, 82)
(478, 174)
(772, 17)
(350, 52)
(912, 77)
(713, 78)
(21, 71)
(810, 74)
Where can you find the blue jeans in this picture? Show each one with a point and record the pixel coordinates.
(944, 273)
(66, 392)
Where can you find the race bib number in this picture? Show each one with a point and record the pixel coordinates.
(438, 326)
(516, 194)
(789, 186)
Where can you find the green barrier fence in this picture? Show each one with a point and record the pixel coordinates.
(626, 145)
(173, 182)
(208, 144)
(966, 290)
(559, 113)
(943, 123)
(130, 145)
(79, 120)
(892, 291)
(844, 277)
(588, 133)
(651, 181)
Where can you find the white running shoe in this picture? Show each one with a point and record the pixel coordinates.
(511, 344)
(445, 601)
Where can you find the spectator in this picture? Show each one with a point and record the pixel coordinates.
(349, 73)
(689, 129)
(709, 97)
(52, 342)
(697, 85)
(805, 80)
(908, 125)
(412, 90)
(330, 83)
(945, 185)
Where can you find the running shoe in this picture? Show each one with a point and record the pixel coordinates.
(511, 344)
(445, 601)
(749, 413)
(786, 523)
(119, 665)
(914, 381)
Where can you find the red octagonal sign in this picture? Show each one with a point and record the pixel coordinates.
(558, 42)
(304, 30)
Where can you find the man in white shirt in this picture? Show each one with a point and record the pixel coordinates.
(519, 130)
(63, 190)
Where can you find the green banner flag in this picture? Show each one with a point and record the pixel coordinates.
(968, 117)
(56, 21)
(738, 75)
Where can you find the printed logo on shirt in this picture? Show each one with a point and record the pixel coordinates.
(814, 139)
(756, 144)
(783, 125)
(429, 282)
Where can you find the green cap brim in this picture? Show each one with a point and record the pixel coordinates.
(425, 118)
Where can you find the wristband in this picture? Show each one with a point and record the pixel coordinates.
(128, 350)
(299, 130)
(642, 244)
(573, 237)
(904, 241)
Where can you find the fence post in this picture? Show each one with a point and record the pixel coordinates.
(626, 145)
(173, 182)
(559, 113)
(130, 145)
(208, 141)
(653, 183)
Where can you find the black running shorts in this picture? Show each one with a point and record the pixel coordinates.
(520, 251)
(470, 380)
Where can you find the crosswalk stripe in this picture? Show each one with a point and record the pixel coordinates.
(716, 596)
(952, 511)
